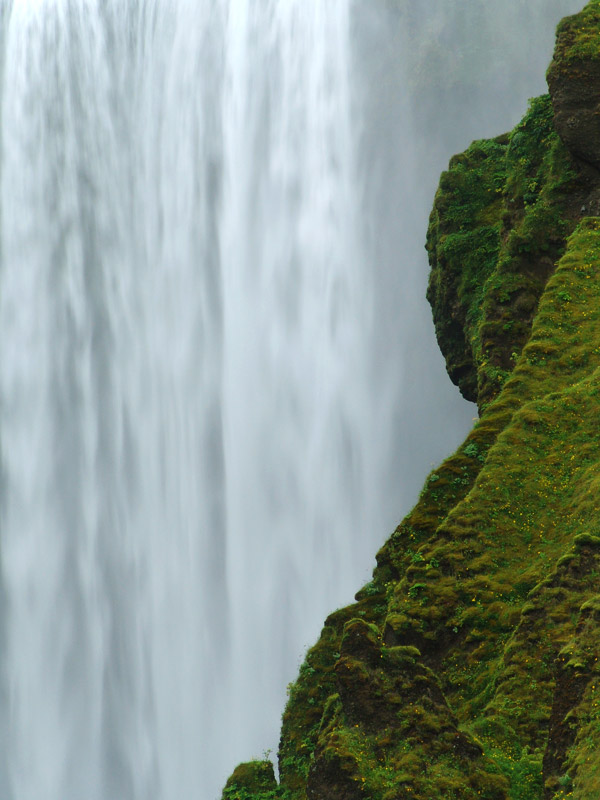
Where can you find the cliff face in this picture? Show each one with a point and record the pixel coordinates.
(468, 667)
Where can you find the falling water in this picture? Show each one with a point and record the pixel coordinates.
(205, 417)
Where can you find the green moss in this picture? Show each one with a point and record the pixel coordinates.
(463, 242)
(391, 728)
(523, 771)
(577, 36)
(500, 220)
(309, 697)
(252, 781)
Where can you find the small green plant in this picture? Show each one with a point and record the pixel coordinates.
(416, 589)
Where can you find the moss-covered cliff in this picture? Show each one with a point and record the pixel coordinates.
(468, 667)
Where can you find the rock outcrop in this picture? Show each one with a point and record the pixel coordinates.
(573, 79)
(468, 666)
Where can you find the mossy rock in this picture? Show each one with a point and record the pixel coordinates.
(389, 733)
(500, 221)
(254, 780)
(573, 78)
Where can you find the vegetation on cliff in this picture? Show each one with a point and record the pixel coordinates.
(499, 222)
(468, 667)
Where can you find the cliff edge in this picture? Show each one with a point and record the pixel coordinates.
(468, 667)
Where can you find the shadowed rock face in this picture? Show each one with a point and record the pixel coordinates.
(577, 109)
(574, 81)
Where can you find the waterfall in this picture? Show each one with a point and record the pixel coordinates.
(213, 404)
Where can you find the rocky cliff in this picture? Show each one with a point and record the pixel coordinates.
(468, 667)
